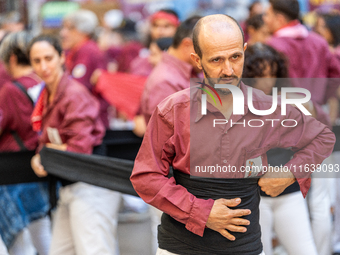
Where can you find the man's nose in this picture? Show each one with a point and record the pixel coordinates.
(227, 68)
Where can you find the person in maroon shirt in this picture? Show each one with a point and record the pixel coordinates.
(4, 76)
(163, 24)
(16, 134)
(257, 31)
(309, 57)
(67, 115)
(197, 217)
(174, 71)
(83, 56)
(327, 26)
(307, 52)
(286, 214)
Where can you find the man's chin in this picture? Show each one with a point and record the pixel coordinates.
(223, 92)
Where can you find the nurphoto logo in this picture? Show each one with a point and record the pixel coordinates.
(238, 103)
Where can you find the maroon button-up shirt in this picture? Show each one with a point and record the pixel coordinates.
(179, 135)
(169, 76)
(308, 56)
(15, 112)
(74, 113)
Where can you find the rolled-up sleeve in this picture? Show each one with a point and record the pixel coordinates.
(150, 175)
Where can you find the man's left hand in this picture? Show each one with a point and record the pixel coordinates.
(274, 183)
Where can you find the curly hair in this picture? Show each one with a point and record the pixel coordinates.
(259, 56)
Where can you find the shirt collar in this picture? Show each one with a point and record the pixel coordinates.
(293, 29)
(64, 81)
(196, 96)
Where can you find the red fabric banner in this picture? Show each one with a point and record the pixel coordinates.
(122, 90)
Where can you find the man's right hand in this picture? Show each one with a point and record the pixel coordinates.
(222, 218)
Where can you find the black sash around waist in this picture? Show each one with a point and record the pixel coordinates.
(174, 237)
(279, 157)
(16, 168)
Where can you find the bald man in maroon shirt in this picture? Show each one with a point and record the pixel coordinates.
(219, 215)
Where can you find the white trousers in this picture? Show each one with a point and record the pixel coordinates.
(3, 248)
(288, 216)
(336, 245)
(85, 222)
(334, 159)
(319, 203)
(39, 235)
(165, 252)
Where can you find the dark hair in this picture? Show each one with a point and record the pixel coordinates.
(196, 32)
(251, 7)
(53, 40)
(185, 29)
(289, 8)
(16, 44)
(258, 56)
(333, 24)
(255, 21)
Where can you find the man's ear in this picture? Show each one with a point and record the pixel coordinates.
(281, 19)
(196, 59)
(245, 46)
(187, 42)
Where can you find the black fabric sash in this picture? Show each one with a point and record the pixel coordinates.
(110, 173)
(16, 168)
(278, 157)
(174, 237)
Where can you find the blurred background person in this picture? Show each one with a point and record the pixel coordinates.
(309, 56)
(328, 26)
(85, 221)
(307, 52)
(286, 215)
(83, 56)
(163, 23)
(13, 22)
(256, 29)
(157, 47)
(173, 72)
(25, 204)
(119, 40)
(254, 9)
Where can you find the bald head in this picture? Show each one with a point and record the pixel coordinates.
(214, 24)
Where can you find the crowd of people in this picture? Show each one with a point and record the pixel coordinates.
(49, 97)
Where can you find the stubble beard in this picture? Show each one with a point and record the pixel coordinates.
(220, 91)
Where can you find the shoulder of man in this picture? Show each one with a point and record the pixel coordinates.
(180, 99)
